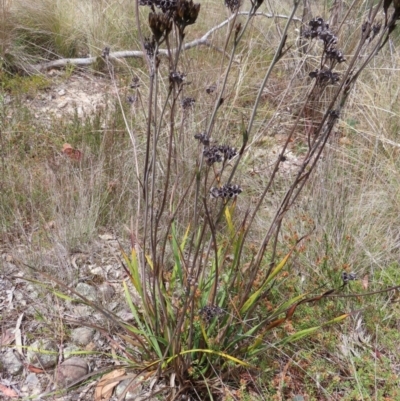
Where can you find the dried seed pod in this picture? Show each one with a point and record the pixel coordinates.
(227, 151)
(166, 6)
(211, 89)
(346, 277)
(160, 25)
(150, 46)
(233, 5)
(325, 77)
(214, 192)
(212, 155)
(226, 191)
(186, 13)
(176, 78)
(208, 312)
(187, 103)
(203, 138)
(335, 55)
(135, 83)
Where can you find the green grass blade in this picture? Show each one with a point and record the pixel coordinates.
(253, 298)
(306, 332)
(133, 267)
(63, 296)
(228, 218)
(177, 270)
(134, 310)
(213, 352)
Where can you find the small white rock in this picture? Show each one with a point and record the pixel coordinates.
(62, 104)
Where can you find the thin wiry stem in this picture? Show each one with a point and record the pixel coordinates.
(317, 149)
(277, 57)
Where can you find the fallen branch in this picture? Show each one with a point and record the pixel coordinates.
(203, 41)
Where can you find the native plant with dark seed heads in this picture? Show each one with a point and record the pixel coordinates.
(319, 29)
(190, 264)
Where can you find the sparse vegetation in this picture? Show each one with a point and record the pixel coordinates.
(251, 183)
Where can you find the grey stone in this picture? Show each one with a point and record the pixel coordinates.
(82, 335)
(10, 363)
(106, 292)
(69, 350)
(87, 291)
(43, 354)
(83, 311)
(70, 371)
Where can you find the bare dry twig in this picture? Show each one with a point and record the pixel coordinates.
(203, 41)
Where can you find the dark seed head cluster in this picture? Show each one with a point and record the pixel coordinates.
(209, 312)
(233, 5)
(181, 12)
(218, 153)
(150, 47)
(346, 277)
(203, 138)
(226, 191)
(325, 77)
(187, 103)
(319, 29)
(160, 25)
(177, 78)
